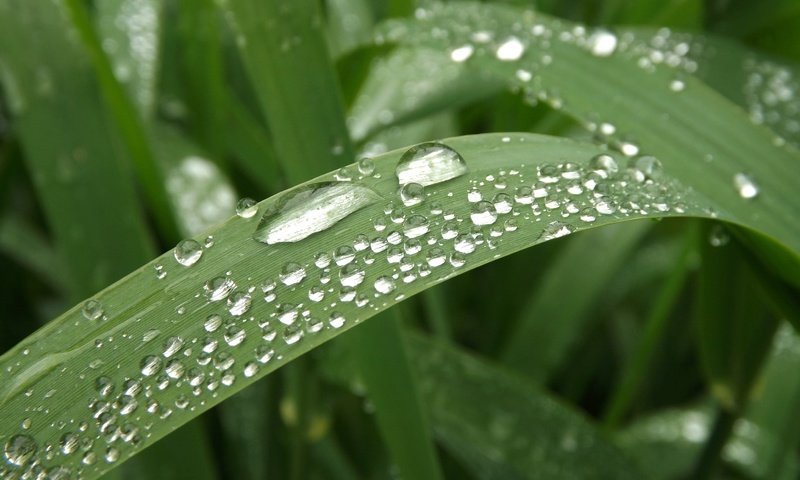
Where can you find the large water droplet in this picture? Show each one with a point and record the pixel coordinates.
(312, 209)
(218, 288)
(745, 186)
(428, 164)
(150, 365)
(19, 449)
(188, 252)
(461, 54)
(292, 273)
(384, 285)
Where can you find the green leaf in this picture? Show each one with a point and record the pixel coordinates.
(64, 357)
(484, 416)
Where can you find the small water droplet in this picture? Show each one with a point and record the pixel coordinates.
(246, 208)
(415, 226)
(234, 336)
(602, 43)
(555, 230)
(510, 50)
(292, 273)
(412, 194)
(384, 285)
(172, 345)
(212, 323)
(645, 167)
(239, 303)
(218, 288)
(428, 164)
(188, 252)
(336, 320)
(311, 209)
(745, 186)
(150, 365)
(461, 54)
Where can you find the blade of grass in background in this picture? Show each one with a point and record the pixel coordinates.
(349, 24)
(484, 416)
(26, 246)
(80, 174)
(637, 368)
(382, 362)
(126, 123)
(580, 272)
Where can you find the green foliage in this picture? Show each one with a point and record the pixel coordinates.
(648, 150)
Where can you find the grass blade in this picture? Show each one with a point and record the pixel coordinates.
(177, 307)
(384, 367)
(484, 415)
(536, 326)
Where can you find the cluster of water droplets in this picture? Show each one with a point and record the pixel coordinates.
(772, 93)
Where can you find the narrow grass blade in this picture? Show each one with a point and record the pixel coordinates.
(79, 170)
(251, 148)
(129, 32)
(581, 272)
(636, 370)
(350, 25)
(147, 316)
(384, 367)
(484, 416)
(126, 123)
(283, 49)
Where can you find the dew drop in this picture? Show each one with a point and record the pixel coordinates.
(218, 288)
(188, 252)
(172, 346)
(69, 443)
(415, 226)
(92, 310)
(428, 164)
(555, 230)
(212, 323)
(239, 303)
(604, 164)
(745, 186)
(311, 209)
(351, 275)
(412, 194)
(646, 167)
(366, 167)
(250, 369)
(246, 208)
(461, 54)
(292, 273)
(234, 336)
(510, 50)
(336, 320)
(150, 365)
(384, 285)
(602, 43)
(483, 213)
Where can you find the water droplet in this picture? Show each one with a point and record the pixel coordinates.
(336, 320)
(188, 252)
(510, 50)
(366, 167)
(718, 236)
(428, 164)
(351, 275)
(218, 288)
(239, 303)
(464, 244)
(150, 365)
(92, 310)
(175, 369)
(555, 230)
(69, 443)
(415, 226)
(646, 167)
(503, 203)
(412, 194)
(292, 273)
(212, 323)
(287, 313)
(384, 285)
(483, 213)
(745, 186)
(160, 272)
(264, 353)
(250, 369)
(311, 209)
(246, 208)
(344, 255)
(604, 164)
(292, 335)
(234, 336)
(172, 346)
(461, 54)
(19, 449)
(602, 43)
